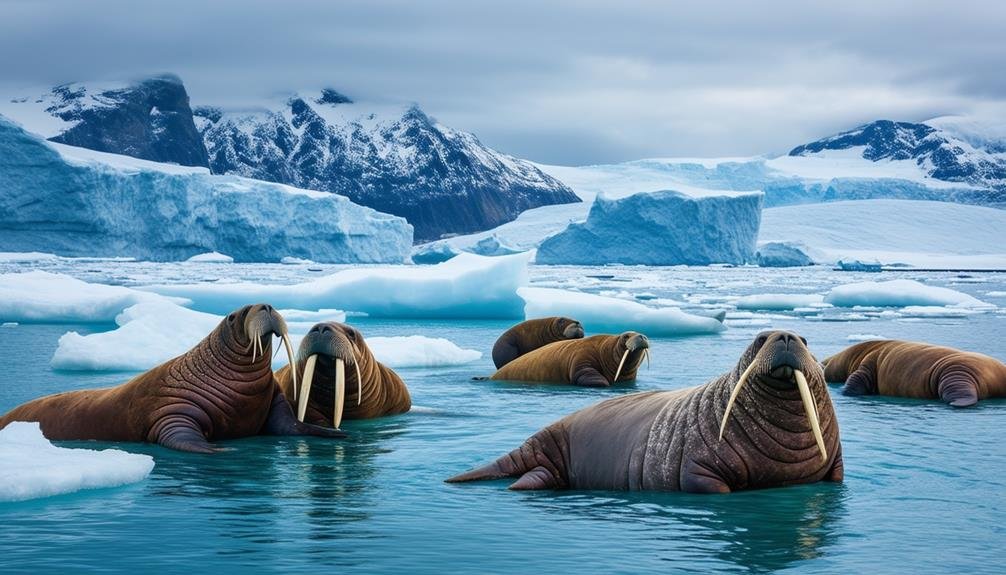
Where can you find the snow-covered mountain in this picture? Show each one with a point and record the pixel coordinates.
(952, 149)
(394, 159)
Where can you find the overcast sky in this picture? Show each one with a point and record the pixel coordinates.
(569, 82)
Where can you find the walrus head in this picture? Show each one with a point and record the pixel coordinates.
(327, 349)
(253, 327)
(631, 346)
(568, 328)
(781, 361)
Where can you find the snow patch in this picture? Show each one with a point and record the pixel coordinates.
(779, 301)
(32, 467)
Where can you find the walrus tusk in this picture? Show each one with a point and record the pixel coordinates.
(620, 364)
(340, 392)
(733, 397)
(255, 341)
(359, 380)
(646, 352)
(811, 410)
(293, 365)
(305, 391)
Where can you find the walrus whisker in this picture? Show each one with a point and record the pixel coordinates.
(359, 380)
(618, 372)
(340, 391)
(289, 355)
(810, 409)
(305, 391)
(733, 397)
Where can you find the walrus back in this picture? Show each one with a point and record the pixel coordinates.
(524, 338)
(547, 363)
(82, 414)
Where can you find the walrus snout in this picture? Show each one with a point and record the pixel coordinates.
(636, 341)
(335, 343)
(573, 331)
(261, 322)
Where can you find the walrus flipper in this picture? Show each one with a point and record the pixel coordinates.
(281, 421)
(540, 463)
(184, 434)
(863, 381)
(958, 388)
(587, 376)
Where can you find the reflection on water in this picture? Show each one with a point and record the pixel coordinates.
(921, 478)
(760, 531)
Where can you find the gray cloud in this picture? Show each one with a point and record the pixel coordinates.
(566, 82)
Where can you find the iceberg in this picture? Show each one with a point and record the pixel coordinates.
(39, 296)
(32, 467)
(660, 228)
(600, 314)
(78, 202)
(783, 255)
(899, 293)
(467, 286)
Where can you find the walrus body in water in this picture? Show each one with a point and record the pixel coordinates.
(223, 388)
(768, 422)
(335, 364)
(596, 361)
(920, 370)
(529, 335)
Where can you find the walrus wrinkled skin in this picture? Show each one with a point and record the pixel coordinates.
(596, 361)
(372, 389)
(768, 422)
(223, 388)
(920, 370)
(529, 335)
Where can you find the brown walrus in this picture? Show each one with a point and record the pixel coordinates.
(910, 369)
(529, 335)
(373, 389)
(223, 388)
(768, 422)
(596, 361)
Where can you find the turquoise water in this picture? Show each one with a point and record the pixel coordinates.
(925, 487)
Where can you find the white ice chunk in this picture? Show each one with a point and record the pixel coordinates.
(779, 301)
(32, 467)
(39, 296)
(212, 257)
(600, 314)
(899, 293)
(857, 337)
(420, 351)
(467, 286)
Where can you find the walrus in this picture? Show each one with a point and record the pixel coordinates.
(767, 422)
(373, 388)
(595, 361)
(531, 334)
(223, 388)
(920, 370)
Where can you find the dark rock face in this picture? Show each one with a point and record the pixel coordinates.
(402, 163)
(941, 154)
(150, 120)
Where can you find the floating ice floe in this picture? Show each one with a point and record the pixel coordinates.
(25, 257)
(467, 286)
(292, 261)
(151, 333)
(780, 301)
(39, 296)
(600, 314)
(899, 293)
(32, 467)
(211, 257)
(858, 337)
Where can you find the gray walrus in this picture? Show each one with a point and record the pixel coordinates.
(322, 359)
(596, 361)
(223, 388)
(768, 422)
(921, 370)
(529, 335)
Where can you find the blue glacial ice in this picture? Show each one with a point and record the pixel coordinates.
(76, 202)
